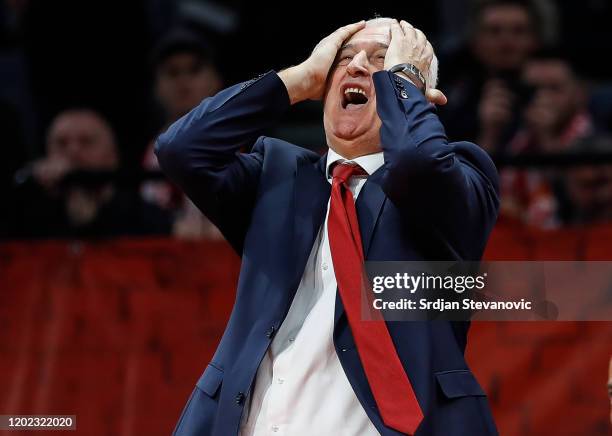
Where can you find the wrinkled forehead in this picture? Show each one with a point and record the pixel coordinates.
(375, 32)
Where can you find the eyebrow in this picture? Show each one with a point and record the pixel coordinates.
(377, 44)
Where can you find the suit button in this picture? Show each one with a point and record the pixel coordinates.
(270, 333)
(240, 398)
(403, 94)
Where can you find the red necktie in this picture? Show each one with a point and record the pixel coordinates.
(390, 386)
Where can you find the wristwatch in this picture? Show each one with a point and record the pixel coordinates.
(413, 73)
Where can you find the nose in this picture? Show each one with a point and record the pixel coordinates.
(358, 65)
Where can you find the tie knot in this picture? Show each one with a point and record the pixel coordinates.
(344, 171)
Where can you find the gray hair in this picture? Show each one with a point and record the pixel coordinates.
(432, 75)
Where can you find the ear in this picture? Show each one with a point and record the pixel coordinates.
(436, 96)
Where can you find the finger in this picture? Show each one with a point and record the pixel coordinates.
(421, 41)
(436, 96)
(428, 51)
(396, 31)
(408, 31)
(345, 32)
(350, 27)
(340, 34)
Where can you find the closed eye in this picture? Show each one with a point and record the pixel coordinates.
(345, 60)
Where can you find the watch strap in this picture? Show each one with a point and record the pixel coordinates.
(412, 72)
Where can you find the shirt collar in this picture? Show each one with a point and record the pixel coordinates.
(370, 162)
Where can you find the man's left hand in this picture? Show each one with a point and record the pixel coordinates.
(409, 45)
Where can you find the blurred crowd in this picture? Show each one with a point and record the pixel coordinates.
(515, 91)
(75, 113)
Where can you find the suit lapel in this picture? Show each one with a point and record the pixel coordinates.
(369, 206)
(311, 195)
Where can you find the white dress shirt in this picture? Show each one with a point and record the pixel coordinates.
(300, 387)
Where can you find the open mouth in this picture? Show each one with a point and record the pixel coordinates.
(354, 98)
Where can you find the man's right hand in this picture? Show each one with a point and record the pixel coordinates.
(306, 81)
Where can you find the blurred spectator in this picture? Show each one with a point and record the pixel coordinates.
(555, 115)
(482, 81)
(46, 206)
(184, 72)
(184, 75)
(586, 191)
(555, 120)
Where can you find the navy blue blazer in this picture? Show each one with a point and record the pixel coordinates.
(431, 200)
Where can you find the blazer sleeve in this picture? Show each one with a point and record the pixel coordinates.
(453, 186)
(201, 152)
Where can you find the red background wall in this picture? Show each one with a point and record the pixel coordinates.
(118, 332)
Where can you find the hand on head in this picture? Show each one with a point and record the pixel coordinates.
(340, 70)
(409, 45)
(307, 81)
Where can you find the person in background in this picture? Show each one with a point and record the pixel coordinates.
(554, 119)
(48, 203)
(483, 79)
(184, 75)
(555, 115)
(585, 196)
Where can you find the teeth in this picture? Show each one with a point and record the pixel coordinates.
(357, 90)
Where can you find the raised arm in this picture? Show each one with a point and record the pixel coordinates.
(201, 151)
(451, 185)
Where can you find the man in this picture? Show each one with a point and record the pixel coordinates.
(482, 80)
(296, 358)
(48, 205)
(556, 115)
(184, 75)
(184, 72)
(555, 119)
(586, 190)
